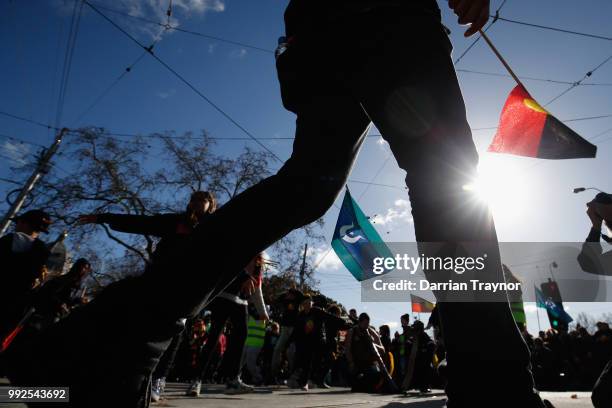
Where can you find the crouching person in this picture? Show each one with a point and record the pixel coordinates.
(363, 349)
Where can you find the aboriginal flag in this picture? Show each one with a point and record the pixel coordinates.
(420, 305)
(527, 129)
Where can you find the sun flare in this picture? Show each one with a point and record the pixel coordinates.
(503, 185)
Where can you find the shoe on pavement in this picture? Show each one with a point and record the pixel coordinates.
(238, 387)
(157, 389)
(194, 388)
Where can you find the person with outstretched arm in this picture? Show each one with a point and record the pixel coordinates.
(592, 258)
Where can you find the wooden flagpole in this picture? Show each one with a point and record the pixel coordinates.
(501, 59)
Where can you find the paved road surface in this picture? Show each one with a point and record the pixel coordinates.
(283, 397)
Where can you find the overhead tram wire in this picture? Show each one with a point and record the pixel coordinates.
(168, 26)
(191, 86)
(579, 82)
(31, 121)
(469, 48)
(560, 30)
(126, 71)
(375, 135)
(68, 57)
(105, 92)
(21, 141)
(552, 81)
(9, 181)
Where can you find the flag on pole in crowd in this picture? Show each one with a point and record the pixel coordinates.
(551, 307)
(420, 305)
(527, 129)
(355, 240)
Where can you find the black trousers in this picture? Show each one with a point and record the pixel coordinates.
(167, 359)
(223, 310)
(390, 68)
(309, 358)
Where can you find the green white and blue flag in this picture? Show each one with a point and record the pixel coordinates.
(355, 240)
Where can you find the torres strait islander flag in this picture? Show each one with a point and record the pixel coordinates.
(527, 129)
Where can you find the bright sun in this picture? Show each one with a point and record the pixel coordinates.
(502, 184)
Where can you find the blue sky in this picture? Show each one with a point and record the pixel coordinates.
(535, 202)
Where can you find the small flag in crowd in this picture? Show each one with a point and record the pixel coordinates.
(355, 240)
(527, 129)
(420, 305)
(551, 307)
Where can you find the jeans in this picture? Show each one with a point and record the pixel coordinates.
(281, 346)
(249, 357)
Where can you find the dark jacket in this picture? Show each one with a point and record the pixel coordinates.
(17, 277)
(173, 229)
(592, 259)
(310, 327)
(306, 16)
(290, 305)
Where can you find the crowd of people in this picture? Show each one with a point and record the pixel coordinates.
(569, 359)
(398, 75)
(294, 339)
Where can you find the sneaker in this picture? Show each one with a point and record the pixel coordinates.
(238, 387)
(157, 389)
(194, 388)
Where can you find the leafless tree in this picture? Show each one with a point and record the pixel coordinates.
(144, 176)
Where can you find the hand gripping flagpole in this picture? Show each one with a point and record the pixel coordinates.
(501, 59)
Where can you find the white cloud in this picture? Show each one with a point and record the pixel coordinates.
(156, 10)
(325, 258)
(238, 54)
(16, 151)
(166, 94)
(400, 212)
(211, 48)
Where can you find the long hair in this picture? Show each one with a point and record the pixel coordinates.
(201, 196)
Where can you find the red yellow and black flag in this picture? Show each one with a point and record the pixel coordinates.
(527, 129)
(420, 305)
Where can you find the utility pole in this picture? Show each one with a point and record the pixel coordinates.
(42, 167)
(303, 268)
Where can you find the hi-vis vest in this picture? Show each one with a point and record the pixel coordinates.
(518, 312)
(256, 333)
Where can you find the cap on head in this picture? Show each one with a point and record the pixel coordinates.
(37, 219)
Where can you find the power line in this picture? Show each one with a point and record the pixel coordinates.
(5, 180)
(577, 83)
(68, 56)
(101, 96)
(20, 141)
(495, 18)
(168, 26)
(561, 30)
(495, 74)
(191, 86)
(31, 121)
(127, 70)
(13, 159)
